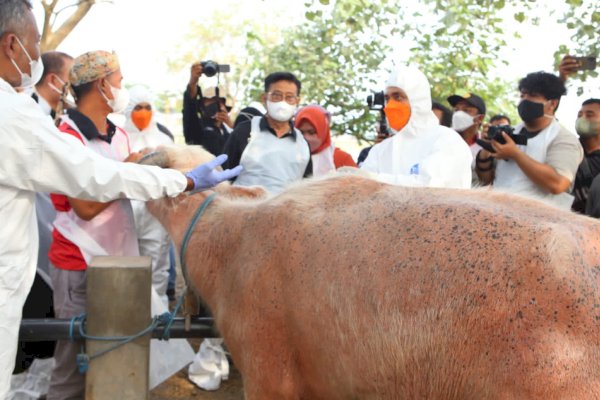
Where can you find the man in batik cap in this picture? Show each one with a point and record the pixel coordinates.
(82, 227)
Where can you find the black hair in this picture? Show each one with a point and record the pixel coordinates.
(282, 76)
(591, 101)
(498, 117)
(544, 84)
(82, 90)
(54, 62)
(446, 113)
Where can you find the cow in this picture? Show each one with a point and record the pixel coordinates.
(347, 288)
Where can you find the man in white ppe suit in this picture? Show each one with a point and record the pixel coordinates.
(153, 240)
(422, 152)
(35, 157)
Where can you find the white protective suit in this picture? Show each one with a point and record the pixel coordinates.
(153, 239)
(423, 153)
(35, 157)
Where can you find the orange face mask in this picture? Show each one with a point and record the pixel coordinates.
(397, 114)
(141, 118)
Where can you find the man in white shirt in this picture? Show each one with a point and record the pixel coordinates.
(545, 167)
(35, 157)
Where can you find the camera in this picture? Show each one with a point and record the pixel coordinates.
(376, 101)
(211, 68)
(495, 133)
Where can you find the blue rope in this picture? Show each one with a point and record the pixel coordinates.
(188, 235)
(166, 319)
(166, 332)
(83, 360)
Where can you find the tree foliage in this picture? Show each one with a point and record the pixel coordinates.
(455, 43)
(222, 37)
(582, 17)
(334, 52)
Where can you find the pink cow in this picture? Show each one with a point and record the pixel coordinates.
(346, 288)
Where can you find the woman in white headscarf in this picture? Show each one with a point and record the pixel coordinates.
(144, 132)
(422, 152)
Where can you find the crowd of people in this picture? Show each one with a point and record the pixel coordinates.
(68, 172)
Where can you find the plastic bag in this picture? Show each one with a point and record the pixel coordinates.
(210, 365)
(166, 357)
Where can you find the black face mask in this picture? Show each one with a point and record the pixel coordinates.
(208, 114)
(529, 110)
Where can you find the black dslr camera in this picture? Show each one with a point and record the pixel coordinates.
(376, 102)
(211, 68)
(495, 133)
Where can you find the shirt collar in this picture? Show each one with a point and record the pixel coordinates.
(42, 102)
(6, 87)
(264, 126)
(88, 129)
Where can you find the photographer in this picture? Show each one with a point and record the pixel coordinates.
(545, 167)
(206, 120)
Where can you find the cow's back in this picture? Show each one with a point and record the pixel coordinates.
(407, 293)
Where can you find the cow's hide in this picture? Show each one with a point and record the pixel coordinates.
(346, 288)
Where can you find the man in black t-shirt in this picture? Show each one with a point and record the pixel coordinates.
(588, 129)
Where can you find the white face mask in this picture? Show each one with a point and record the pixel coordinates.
(280, 111)
(120, 99)
(461, 121)
(36, 67)
(57, 90)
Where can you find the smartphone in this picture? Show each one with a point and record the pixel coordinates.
(586, 63)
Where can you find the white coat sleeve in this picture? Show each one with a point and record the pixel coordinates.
(35, 156)
(448, 165)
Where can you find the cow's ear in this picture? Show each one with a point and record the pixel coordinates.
(238, 192)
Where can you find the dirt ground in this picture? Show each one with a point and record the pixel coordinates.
(179, 387)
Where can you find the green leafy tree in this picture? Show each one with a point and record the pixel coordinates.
(339, 46)
(335, 52)
(456, 43)
(222, 37)
(582, 18)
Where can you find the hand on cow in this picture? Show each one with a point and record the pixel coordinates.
(506, 151)
(206, 176)
(134, 157)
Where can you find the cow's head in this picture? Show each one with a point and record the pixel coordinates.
(175, 213)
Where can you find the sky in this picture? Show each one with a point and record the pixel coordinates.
(144, 32)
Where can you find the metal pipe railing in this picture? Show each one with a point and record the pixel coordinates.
(46, 329)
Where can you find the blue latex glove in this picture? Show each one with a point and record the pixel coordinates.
(204, 176)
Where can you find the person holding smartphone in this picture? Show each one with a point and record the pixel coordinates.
(570, 65)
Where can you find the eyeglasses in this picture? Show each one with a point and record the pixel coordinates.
(278, 96)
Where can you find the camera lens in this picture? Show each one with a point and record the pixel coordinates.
(210, 68)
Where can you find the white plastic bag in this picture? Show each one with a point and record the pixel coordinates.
(166, 357)
(33, 383)
(210, 365)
